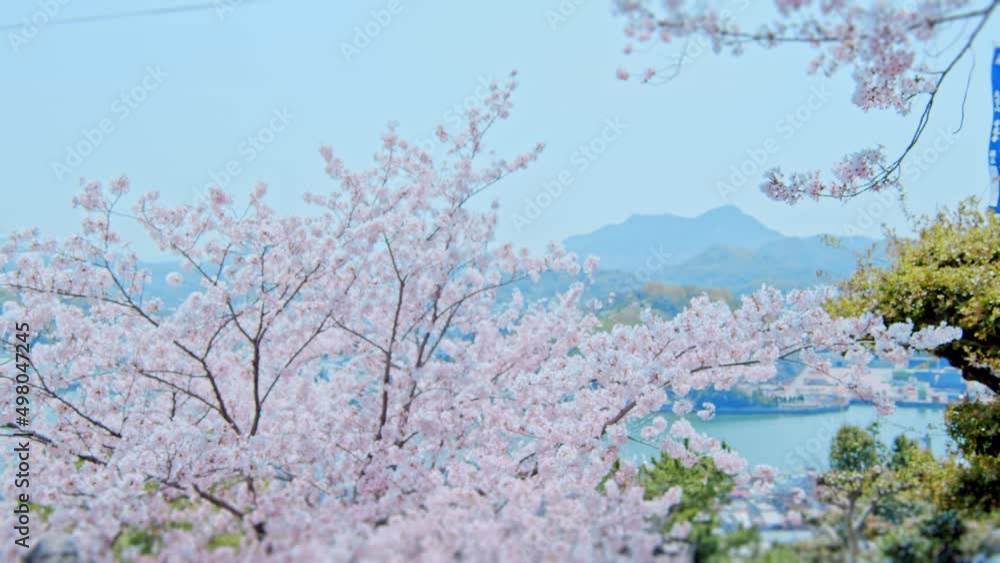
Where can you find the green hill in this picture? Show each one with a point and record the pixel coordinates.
(723, 248)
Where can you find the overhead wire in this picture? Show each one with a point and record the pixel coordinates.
(166, 10)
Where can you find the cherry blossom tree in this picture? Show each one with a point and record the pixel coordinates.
(348, 384)
(890, 48)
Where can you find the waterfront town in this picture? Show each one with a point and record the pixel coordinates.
(924, 381)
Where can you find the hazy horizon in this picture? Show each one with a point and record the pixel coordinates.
(235, 72)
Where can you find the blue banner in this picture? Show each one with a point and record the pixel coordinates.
(995, 134)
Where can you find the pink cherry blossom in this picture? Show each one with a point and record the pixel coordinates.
(349, 384)
(682, 407)
(897, 54)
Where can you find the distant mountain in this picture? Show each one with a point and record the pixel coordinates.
(785, 264)
(723, 251)
(670, 239)
(723, 248)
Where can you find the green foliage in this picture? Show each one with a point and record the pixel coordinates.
(134, 541)
(663, 299)
(853, 449)
(704, 485)
(43, 510)
(937, 539)
(816, 550)
(949, 273)
(705, 490)
(225, 541)
(924, 509)
(615, 467)
(905, 452)
(868, 479)
(927, 481)
(975, 427)
(779, 554)
(945, 531)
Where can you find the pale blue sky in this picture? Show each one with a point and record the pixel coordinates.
(225, 78)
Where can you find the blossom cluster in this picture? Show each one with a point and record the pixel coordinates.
(351, 384)
(890, 50)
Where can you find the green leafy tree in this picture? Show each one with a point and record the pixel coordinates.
(706, 489)
(906, 457)
(938, 540)
(863, 477)
(916, 507)
(953, 515)
(853, 449)
(975, 427)
(949, 273)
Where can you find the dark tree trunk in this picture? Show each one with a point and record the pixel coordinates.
(970, 371)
